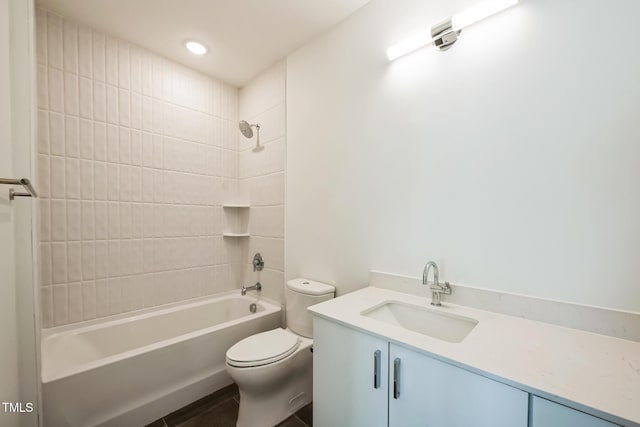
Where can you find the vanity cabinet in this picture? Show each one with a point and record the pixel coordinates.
(428, 392)
(346, 390)
(361, 380)
(545, 413)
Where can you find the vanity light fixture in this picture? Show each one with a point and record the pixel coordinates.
(445, 34)
(195, 47)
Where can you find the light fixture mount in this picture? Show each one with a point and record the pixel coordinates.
(443, 35)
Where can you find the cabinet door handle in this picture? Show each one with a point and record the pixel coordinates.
(376, 369)
(396, 378)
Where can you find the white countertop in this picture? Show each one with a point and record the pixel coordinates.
(594, 373)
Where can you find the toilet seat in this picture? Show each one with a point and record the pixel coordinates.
(263, 348)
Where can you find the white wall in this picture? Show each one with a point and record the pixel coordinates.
(137, 154)
(262, 176)
(513, 159)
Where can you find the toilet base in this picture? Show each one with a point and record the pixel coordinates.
(270, 394)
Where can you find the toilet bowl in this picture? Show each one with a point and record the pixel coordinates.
(274, 369)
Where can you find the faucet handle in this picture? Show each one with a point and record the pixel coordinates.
(446, 289)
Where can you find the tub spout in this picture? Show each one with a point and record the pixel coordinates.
(256, 287)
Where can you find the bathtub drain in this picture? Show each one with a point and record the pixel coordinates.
(253, 308)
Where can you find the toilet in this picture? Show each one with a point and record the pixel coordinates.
(274, 369)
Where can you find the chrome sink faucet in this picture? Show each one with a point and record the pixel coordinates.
(256, 287)
(437, 290)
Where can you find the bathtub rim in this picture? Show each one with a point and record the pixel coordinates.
(271, 307)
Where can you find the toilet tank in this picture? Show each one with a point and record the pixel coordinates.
(300, 294)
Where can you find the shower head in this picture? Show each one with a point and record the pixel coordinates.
(246, 130)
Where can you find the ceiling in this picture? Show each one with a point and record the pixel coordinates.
(244, 37)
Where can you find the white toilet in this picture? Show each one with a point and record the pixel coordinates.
(274, 369)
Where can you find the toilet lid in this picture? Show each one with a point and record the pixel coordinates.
(263, 348)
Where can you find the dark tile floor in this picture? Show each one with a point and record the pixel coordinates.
(220, 409)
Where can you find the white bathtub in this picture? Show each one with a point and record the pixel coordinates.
(129, 370)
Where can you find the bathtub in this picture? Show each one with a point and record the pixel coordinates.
(129, 370)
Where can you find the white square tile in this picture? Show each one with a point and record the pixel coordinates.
(100, 141)
(147, 149)
(114, 258)
(147, 113)
(47, 306)
(157, 116)
(73, 178)
(70, 47)
(112, 105)
(136, 184)
(114, 225)
(45, 264)
(58, 176)
(60, 305)
(148, 220)
(158, 151)
(113, 144)
(43, 132)
(126, 266)
(99, 101)
(100, 181)
(44, 176)
(137, 218)
(102, 298)
(85, 50)
(56, 90)
(86, 179)
(125, 183)
(44, 220)
(115, 295)
(74, 224)
(158, 186)
(88, 261)
(136, 110)
(125, 145)
(42, 94)
(88, 221)
(86, 98)
(137, 263)
(59, 262)
(98, 55)
(89, 300)
(56, 134)
(147, 185)
(71, 94)
(102, 259)
(125, 222)
(113, 181)
(101, 222)
(71, 136)
(86, 139)
(136, 148)
(124, 107)
(74, 255)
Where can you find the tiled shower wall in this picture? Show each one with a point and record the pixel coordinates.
(261, 175)
(136, 156)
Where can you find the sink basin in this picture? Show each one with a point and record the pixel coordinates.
(423, 320)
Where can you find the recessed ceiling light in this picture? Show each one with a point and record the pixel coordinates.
(196, 48)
